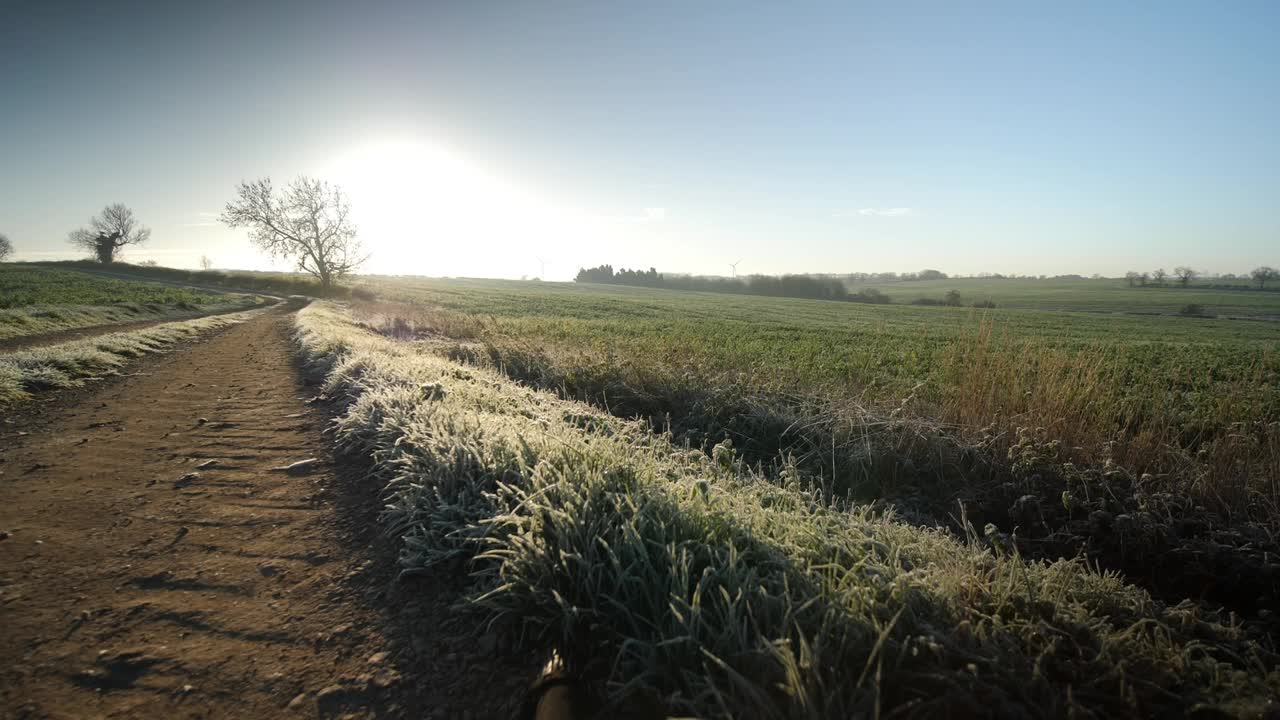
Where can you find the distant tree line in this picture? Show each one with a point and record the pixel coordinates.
(814, 287)
(1183, 275)
(605, 274)
(797, 286)
(925, 274)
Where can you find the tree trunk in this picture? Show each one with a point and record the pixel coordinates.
(106, 247)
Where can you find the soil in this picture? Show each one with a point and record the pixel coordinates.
(154, 563)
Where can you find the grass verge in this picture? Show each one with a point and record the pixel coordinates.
(695, 582)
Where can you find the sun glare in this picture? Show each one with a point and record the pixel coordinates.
(423, 210)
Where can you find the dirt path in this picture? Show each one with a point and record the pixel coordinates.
(153, 565)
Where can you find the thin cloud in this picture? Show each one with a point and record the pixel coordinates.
(646, 215)
(206, 220)
(874, 212)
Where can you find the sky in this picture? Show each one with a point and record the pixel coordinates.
(492, 139)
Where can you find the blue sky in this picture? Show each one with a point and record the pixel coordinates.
(476, 137)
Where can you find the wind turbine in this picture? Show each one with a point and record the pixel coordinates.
(733, 267)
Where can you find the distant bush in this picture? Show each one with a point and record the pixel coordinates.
(925, 275)
(951, 299)
(1192, 310)
(988, 303)
(797, 286)
(365, 294)
(870, 295)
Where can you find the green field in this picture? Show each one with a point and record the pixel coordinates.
(22, 286)
(274, 283)
(38, 300)
(877, 352)
(1180, 368)
(921, 407)
(1102, 295)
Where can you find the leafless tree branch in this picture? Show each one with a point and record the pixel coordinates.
(308, 222)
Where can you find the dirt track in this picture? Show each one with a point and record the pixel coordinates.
(131, 588)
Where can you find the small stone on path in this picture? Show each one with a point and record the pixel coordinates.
(302, 467)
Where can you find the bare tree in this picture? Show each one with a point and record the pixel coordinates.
(108, 231)
(1132, 277)
(1143, 278)
(307, 222)
(6, 247)
(205, 263)
(1262, 274)
(1159, 275)
(1185, 275)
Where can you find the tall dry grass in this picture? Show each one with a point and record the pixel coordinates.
(1227, 455)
